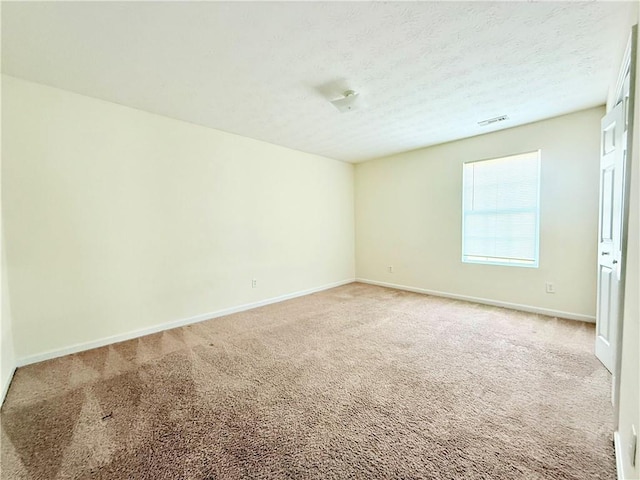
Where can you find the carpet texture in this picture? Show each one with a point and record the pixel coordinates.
(354, 382)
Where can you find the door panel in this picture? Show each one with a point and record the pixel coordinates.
(605, 302)
(610, 234)
(606, 220)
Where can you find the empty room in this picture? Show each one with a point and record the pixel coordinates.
(320, 240)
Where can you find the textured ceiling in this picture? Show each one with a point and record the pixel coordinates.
(427, 71)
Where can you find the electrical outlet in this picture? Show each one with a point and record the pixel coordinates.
(550, 287)
(254, 283)
(390, 269)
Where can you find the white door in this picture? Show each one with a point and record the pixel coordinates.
(612, 161)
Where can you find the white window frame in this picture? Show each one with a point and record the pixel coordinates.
(504, 261)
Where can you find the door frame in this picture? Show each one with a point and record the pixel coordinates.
(628, 68)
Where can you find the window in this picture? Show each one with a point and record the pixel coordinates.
(500, 210)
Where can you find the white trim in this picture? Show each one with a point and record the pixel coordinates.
(485, 301)
(624, 69)
(5, 387)
(80, 347)
(618, 448)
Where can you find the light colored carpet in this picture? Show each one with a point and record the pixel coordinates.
(354, 382)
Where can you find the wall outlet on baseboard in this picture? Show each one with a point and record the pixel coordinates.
(390, 269)
(254, 283)
(550, 287)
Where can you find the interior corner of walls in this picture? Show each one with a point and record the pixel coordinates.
(6, 384)
(7, 349)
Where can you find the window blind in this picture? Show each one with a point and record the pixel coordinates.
(500, 218)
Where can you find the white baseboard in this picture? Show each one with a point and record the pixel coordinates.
(618, 446)
(80, 347)
(485, 301)
(7, 384)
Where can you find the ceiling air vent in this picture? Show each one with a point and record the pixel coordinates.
(491, 121)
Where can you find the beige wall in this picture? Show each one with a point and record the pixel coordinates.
(408, 215)
(630, 370)
(118, 220)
